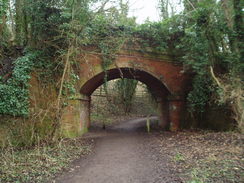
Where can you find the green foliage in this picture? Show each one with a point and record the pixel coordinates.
(179, 157)
(44, 19)
(109, 48)
(14, 93)
(3, 9)
(207, 42)
(208, 34)
(161, 36)
(4, 33)
(199, 97)
(69, 85)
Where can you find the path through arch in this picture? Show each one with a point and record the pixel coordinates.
(165, 78)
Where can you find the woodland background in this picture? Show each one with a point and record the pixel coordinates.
(41, 35)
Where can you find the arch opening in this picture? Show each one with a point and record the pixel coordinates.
(123, 101)
(157, 87)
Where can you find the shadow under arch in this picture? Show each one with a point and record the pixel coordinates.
(157, 87)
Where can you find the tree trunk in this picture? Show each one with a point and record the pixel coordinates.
(2, 24)
(3, 16)
(238, 26)
(21, 23)
(235, 24)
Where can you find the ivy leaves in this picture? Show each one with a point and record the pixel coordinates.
(3, 9)
(14, 94)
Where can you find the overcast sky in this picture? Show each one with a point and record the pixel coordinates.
(143, 9)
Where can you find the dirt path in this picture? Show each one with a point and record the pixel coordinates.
(122, 154)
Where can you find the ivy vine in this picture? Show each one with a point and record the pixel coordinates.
(14, 93)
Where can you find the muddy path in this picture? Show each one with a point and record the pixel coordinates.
(124, 153)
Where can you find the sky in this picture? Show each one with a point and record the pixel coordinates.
(143, 9)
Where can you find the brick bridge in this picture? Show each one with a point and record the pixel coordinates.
(162, 74)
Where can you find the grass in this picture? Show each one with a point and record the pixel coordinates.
(178, 157)
(39, 164)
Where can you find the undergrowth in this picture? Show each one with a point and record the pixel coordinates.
(41, 162)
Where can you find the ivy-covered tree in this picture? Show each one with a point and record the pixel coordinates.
(210, 39)
(4, 33)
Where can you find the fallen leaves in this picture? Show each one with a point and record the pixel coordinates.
(205, 156)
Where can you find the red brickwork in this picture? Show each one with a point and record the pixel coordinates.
(164, 76)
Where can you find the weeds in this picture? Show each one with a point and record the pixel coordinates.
(214, 170)
(178, 157)
(40, 163)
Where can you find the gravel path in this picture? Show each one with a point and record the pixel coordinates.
(122, 154)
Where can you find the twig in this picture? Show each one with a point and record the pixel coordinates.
(63, 77)
(56, 123)
(120, 71)
(191, 4)
(215, 78)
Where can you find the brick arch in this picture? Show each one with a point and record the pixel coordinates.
(157, 87)
(160, 72)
